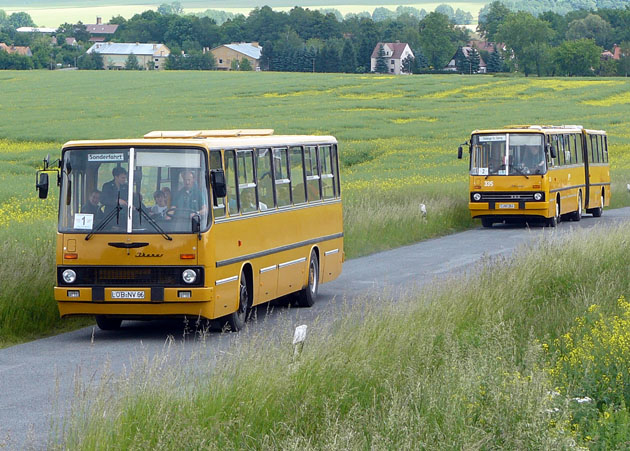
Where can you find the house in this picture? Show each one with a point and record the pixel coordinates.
(71, 42)
(225, 54)
(100, 32)
(614, 55)
(452, 65)
(36, 30)
(395, 52)
(150, 56)
(15, 49)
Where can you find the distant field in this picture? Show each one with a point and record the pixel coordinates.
(53, 13)
(398, 139)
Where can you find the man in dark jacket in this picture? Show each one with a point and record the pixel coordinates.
(115, 188)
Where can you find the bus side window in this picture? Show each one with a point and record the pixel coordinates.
(577, 145)
(557, 142)
(230, 181)
(312, 173)
(568, 150)
(605, 149)
(592, 152)
(335, 164)
(246, 181)
(297, 175)
(265, 179)
(281, 177)
(327, 177)
(596, 149)
(215, 163)
(600, 150)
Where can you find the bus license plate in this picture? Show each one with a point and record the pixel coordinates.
(507, 206)
(127, 294)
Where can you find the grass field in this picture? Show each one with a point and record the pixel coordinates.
(518, 354)
(53, 13)
(398, 139)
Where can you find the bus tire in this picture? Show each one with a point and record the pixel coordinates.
(597, 212)
(306, 297)
(555, 219)
(236, 320)
(577, 215)
(108, 323)
(486, 222)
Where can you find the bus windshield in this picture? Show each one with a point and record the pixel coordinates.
(508, 154)
(170, 191)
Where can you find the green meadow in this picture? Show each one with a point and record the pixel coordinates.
(398, 138)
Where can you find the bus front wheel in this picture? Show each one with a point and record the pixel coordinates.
(553, 221)
(577, 214)
(236, 320)
(107, 323)
(597, 212)
(306, 297)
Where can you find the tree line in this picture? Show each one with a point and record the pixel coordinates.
(309, 40)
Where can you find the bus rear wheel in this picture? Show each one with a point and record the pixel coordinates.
(107, 323)
(306, 297)
(486, 222)
(597, 212)
(236, 320)
(577, 215)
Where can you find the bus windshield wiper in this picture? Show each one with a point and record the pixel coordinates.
(519, 171)
(155, 225)
(107, 219)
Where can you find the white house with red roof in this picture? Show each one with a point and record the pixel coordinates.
(395, 54)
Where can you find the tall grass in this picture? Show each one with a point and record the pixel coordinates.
(458, 366)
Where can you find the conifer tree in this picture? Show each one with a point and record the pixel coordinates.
(473, 61)
(132, 63)
(348, 57)
(461, 61)
(381, 61)
(495, 61)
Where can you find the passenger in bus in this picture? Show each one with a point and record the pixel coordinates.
(158, 211)
(93, 206)
(167, 196)
(115, 189)
(189, 197)
(248, 202)
(534, 160)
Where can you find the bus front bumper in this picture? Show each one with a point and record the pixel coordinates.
(129, 302)
(544, 209)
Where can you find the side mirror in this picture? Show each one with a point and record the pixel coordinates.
(552, 151)
(42, 185)
(217, 180)
(460, 152)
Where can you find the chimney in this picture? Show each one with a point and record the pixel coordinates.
(98, 20)
(255, 44)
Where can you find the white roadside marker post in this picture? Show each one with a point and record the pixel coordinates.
(299, 337)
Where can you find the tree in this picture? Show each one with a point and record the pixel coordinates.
(132, 63)
(490, 18)
(495, 61)
(461, 62)
(624, 62)
(420, 61)
(381, 61)
(21, 19)
(173, 8)
(447, 10)
(528, 39)
(246, 65)
(439, 39)
(577, 57)
(591, 27)
(348, 58)
(235, 64)
(473, 61)
(408, 64)
(90, 61)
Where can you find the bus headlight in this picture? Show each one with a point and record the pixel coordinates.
(69, 276)
(538, 196)
(189, 276)
(477, 197)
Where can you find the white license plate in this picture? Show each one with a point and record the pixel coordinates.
(127, 294)
(507, 206)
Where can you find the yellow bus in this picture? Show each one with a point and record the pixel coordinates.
(528, 173)
(215, 222)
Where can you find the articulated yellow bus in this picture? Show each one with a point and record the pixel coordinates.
(526, 173)
(195, 223)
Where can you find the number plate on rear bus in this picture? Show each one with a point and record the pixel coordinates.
(507, 206)
(127, 294)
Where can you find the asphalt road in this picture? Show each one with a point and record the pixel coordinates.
(36, 376)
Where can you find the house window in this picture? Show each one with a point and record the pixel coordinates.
(392, 61)
(157, 67)
(392, 70)
(220, 61)
(156, 60)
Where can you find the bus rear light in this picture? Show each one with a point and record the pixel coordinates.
(184, 294)
(187, 256)
(70, 256)
(73, 293)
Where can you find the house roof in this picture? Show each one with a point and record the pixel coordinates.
(100, 28)
(246, 48)
(466, 50)
(35, 30)
(115, 48)
(397, 49)
(16, 49)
